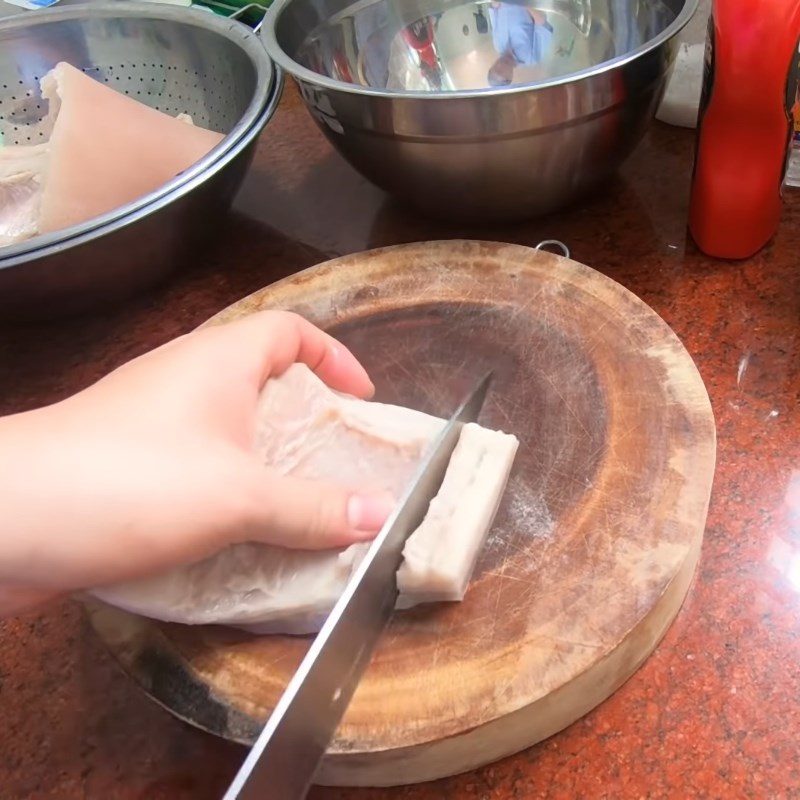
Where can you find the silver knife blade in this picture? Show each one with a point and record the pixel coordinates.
(287, 753)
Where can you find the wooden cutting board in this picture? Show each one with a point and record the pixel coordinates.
(591, 553)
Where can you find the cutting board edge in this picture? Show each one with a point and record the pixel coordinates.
(526, 727)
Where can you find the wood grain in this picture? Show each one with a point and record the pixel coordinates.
(591, 553)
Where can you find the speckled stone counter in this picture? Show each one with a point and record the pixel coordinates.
(713, 713)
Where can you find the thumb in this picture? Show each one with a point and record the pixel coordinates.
(313, 515)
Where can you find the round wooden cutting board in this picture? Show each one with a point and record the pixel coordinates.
(591, 553)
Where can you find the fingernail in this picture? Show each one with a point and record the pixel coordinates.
(368, 512)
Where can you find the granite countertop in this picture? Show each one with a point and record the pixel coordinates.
(712, 713)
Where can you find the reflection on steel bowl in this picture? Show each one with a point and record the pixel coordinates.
(487, 109)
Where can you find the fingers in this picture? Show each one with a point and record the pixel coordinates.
(282, 338)
(312, 515)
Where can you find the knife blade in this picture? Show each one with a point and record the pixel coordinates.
(285, 757)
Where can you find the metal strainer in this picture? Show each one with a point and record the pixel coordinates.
(174, 59)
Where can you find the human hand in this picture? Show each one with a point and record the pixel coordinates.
(153, 466)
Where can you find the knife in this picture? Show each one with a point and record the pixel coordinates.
(284, 759)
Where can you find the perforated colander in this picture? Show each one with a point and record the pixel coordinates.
(175, 60)
(178, 60)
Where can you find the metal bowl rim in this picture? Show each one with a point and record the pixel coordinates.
(301, 73)
(80, 237)
(267, 85)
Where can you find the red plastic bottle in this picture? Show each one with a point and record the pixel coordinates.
(745, 125)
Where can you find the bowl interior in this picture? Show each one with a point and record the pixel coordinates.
(458, 45)
(169, 64)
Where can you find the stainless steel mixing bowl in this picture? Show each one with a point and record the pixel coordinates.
(477, 109)
(174, 59)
